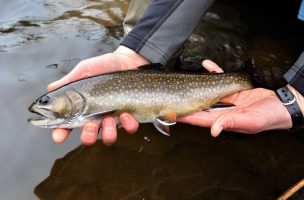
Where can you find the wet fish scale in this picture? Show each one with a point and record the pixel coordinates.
(151, 96)
(157, 92)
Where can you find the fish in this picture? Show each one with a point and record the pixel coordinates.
(150, 94)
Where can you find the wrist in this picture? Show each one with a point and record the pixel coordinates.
(299, 97)
(134, 59)
(293, 102)
(285, 120)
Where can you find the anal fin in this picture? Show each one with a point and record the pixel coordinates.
(163, 126)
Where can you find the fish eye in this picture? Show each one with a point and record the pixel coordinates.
(44, 100)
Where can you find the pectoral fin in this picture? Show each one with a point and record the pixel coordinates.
(165, 122)
(98, 115)
(221, 105)
(163, 126)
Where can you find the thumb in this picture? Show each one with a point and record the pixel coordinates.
(211, 66)
(229, 120)
(63, 81)
(70, 77)
(81, 70)
(89, 67)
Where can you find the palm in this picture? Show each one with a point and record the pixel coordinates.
(260, 106)
(248, 97)
(256, 110)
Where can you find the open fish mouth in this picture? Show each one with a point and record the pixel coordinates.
(41, 116)
(37, 116)
(44, 118)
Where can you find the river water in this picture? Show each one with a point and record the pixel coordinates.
(41, 40)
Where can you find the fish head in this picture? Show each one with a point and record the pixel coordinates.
(57, 109)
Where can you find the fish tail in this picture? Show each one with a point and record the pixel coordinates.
(250, 68)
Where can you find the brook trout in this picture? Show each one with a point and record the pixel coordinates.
(151, 96)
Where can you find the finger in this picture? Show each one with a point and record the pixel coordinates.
(89, 133)
(84, 69)
(109, 130)
(53, 86)
(59, 135)
(128, 122)
(211, 66)
(79, 72)
(203, 119)
(236, 121)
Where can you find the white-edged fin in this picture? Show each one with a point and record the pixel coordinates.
(163, 126)
(221, 106)
(165, 122)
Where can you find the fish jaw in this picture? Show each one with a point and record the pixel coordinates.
(46, 123)
(44, 118)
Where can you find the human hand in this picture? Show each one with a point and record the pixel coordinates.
(121, 59)
(256, 110)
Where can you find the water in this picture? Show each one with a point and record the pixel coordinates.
(41, 40)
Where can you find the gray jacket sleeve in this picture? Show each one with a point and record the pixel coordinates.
(295, 75)
(164, 27)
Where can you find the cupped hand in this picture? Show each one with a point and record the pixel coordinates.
(121, 59)
(256, 110)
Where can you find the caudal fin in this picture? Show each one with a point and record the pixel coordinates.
(249, 67)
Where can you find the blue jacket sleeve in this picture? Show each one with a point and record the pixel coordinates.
(164, 27)
(295, 75)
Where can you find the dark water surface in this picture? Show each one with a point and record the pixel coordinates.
(41, 40)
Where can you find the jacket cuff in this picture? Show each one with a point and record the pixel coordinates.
(295, 75)
(149, 51)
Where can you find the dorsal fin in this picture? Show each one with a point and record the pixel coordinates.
(153, 66)
(248, 66)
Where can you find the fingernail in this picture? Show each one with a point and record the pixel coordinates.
(218, 131)
(109, 122)
(125, 118)
(56, 136)
(50, 87)
(91, 129)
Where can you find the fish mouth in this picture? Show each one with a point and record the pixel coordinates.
(42, 117)
(37, 116)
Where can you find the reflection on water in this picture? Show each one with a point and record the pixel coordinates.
(36, 20)
(42, 40)
(188, 165)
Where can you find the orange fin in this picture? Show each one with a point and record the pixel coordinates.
(225, 102)
(171, 116)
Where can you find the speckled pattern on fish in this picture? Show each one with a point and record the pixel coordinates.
(146, 94)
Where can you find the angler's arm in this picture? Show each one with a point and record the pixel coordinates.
(165, 26)
(295, 79)
(295, 75)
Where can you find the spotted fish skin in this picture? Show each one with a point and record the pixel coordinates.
(149, 95)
